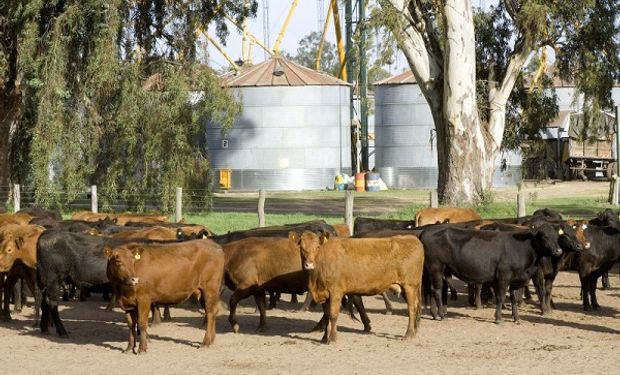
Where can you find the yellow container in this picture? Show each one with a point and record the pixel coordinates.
(225, 179)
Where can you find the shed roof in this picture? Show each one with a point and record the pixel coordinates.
(278, 71)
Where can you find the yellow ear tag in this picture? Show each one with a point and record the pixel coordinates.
(560, 232)
(136, 256)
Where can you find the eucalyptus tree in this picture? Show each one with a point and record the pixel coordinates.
(438, 39)
(109, 92)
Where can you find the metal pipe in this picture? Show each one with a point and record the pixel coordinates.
(291, 11)
(230, 60)
(348, 21)
(252, 36)
(317, 61)
(341, 51)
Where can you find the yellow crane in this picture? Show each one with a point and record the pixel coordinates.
(333, 9)
(291, 11)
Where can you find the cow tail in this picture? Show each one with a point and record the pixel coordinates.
(350, 308)
(418, 312)
(417, 219)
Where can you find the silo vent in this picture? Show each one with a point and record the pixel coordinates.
(278, 70)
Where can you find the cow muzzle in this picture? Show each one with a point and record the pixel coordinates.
(557, 252)
(309, 265)
(586, 245)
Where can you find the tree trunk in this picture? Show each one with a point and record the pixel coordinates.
(464, 170)
(4, 160)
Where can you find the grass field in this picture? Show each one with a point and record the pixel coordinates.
(239, 212)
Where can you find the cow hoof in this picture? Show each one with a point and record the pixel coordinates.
(388, 312)
(596, 307)
(235, 328)
(587, 308)
(141, 352)
(367, 328)
(261, 329)
(499, 322)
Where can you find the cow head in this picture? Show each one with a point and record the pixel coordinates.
(10, 250)
(546, 239)
(121, 264)
(309, 244)
(580, 226)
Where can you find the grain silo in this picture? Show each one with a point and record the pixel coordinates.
(405, 144)
(293, 133)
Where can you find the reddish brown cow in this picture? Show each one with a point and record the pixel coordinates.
(445, 214)
(143, 274)
(361, 266)
(152, 233)
(19, 243)
(342, 230)
(121, 219)
(18, 218)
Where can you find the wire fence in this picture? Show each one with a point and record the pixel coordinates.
(87, 199)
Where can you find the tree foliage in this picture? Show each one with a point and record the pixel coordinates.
(308, 49)
(110, 93)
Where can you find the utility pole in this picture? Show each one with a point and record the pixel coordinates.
(348, 21)
(363, 82)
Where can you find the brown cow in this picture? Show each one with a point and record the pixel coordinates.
(19, 243)
(18, 218)
(152, 233)
(445, 215)
(121, 218)
(342, 230)
(361, 266)
(255, 265)
(143, 274)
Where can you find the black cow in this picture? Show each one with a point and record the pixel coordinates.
(603, 233)
(317, 226)
(41, 213)
(366, 224)
(507, 259)
(70, 257)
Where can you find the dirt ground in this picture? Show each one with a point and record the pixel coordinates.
(468, 341)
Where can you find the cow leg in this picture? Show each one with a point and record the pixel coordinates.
(541, 290)
(210, 302)
(585, 291)
(167, 317)
(307, 302)
(500, 296)
(514, 299)
(18, 295)
(294, 298)
(359, 305)
(548, 288)
(237, 296)
(413, 306)
(273, 299)
(143, 307)
(478, 295)
(436, 287)
(111, 302)
(34, 289)
(132, 322)
(453, 293)
(605, 280)
(261, 303)
(156, 315)
(595, 305)
(9, 283)
(54, 295)
(388, 304)
(334, 310)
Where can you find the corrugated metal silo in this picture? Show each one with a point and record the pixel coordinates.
(405, 145)
(293, 134)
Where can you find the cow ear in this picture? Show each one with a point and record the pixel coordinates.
(293, 236)
(107, 251)
(533, 230)
(324, 238)
(19, 242)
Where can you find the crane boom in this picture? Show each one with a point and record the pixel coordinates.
(291, 11)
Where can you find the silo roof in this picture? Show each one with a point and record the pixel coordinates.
(278, 71)
(405, 77)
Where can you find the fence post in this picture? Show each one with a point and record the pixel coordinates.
(433, 198)
(178, 213)
(16, 198)
(261, 208)
(348, 210)
(93, 199)
(520, 202)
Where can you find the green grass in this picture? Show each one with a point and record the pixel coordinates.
(574, 207)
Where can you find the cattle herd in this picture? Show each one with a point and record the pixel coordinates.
(144, 262)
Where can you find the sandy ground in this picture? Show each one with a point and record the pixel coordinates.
(569, 341)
